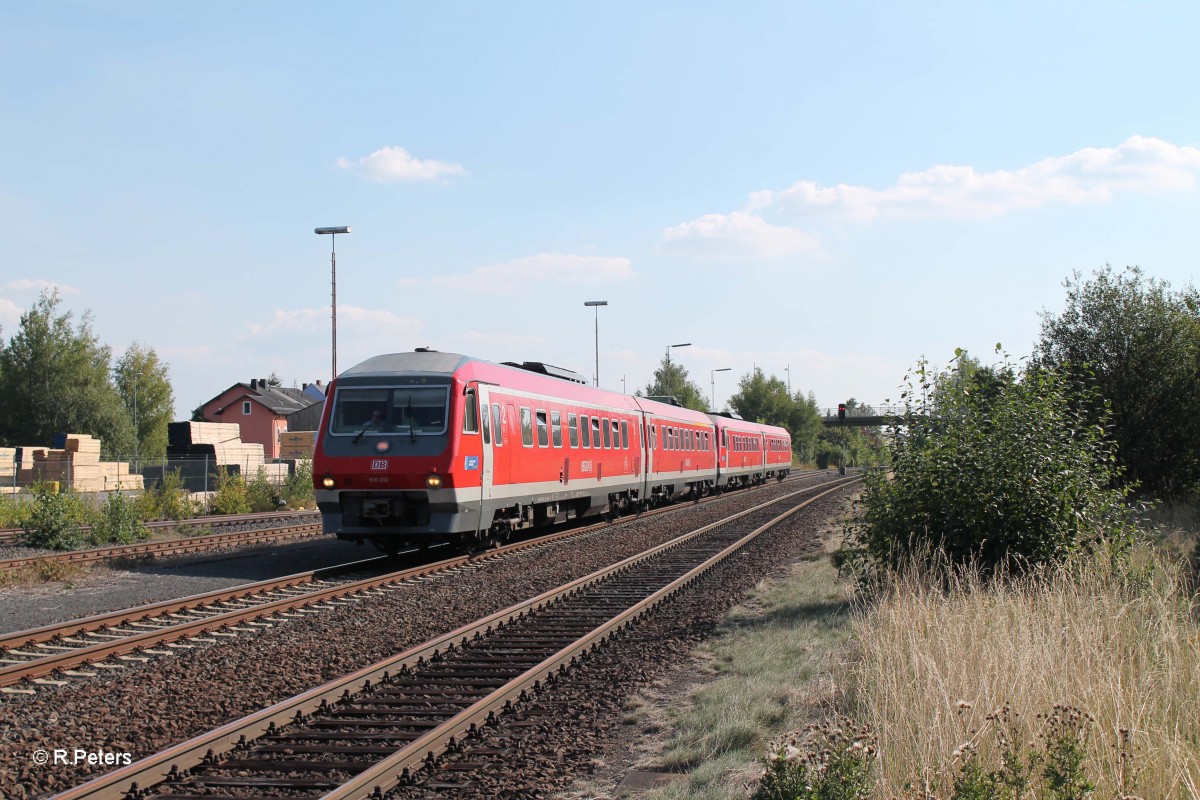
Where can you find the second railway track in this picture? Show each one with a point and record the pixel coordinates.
(51, 655)
(383, 726)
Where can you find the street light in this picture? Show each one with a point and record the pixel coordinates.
(596, 305)
(788, 370)
(332, 233)
(669, 387)
(712, 378)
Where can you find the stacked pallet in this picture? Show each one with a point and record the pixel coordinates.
(297, 444)
(8, 463)
(219, 443)
(78, 466)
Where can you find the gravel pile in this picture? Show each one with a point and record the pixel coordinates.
(143, 709)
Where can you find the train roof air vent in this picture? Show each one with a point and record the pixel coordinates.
(547, 369)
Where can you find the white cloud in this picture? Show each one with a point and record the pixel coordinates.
(397, 164)
(1090, 175)
(509, 277)
(352, 320)
(10, 313)
(38, 284)
(737, 236)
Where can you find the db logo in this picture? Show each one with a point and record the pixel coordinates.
(380, 463)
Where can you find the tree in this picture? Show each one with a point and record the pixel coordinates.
(671, 380)
(145, 389)
(766, 400)
(56, 379)
(1132, 346)
(1016, 476)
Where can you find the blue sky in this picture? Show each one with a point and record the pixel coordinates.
(836, 187)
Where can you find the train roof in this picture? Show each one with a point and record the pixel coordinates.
(399, 363)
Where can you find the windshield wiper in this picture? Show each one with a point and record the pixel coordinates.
(359, 435)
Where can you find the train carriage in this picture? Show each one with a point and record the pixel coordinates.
(406, 455)
(680, 448)
(741, 452)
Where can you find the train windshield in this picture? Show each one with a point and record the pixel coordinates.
(417, 410)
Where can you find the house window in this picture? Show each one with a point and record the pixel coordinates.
(245, 406)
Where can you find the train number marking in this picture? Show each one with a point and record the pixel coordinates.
(471, 462)
(379, 463)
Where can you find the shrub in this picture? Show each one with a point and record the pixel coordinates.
(826, 761)
(231, 495)
(54, 519)
(1003, 471)
(13, 513)
(260, 493)
(168, 499)
(119, 521)
(298, 490)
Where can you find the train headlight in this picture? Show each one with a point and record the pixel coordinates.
(434, 481)
(328, 482)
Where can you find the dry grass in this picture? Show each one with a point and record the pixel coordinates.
(40, 572)
(1119, 642)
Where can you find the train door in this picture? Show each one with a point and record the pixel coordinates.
(487, 468)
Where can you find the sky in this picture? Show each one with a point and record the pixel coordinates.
(825, 191)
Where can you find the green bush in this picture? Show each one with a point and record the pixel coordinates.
(54, 519)
(831, 760)
(118, 521)
(298, 490)
(1003, 470)
(261, 493)
(232, 496)
(13, 513)
(168, 499)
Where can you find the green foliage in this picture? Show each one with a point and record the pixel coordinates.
(827, 761)
(1006, 472)
(118, 521)
(671, 380)
(766, 400)
(54, 519)
(850, 445)
(145, 389)
(261, 493)
(1134, 344)
(168, 499)
(298, 490)
(232, 496)
(56, 378)
(13, 513)
(1061, 756)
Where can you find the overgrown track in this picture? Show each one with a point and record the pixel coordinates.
(52, 654)
(11, 535)
(428, 700)
(168, 547)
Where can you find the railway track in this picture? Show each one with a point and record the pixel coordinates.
(12, 535)
(52, 654)
(165, 547)
(380, 727)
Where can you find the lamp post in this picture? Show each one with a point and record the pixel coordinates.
(788, 370)
(332, 233)
(596, 305)
(668, 376)
(712, 379)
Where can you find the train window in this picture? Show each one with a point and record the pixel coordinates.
(543, 438)
(678, 438)
(487, 428)
(596, 432)
(653, 437)
(725, 437)
(526, 426)
(616, 433)
(573, 429)
(497, 423)
(607, 434)
(624, 435)
(664, 443)
(470, 412)
(687, 439)
(585, 430)
(556, 428)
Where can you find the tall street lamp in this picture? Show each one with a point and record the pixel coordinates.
(788, 370)
(669, 387)
(712, 378)
(332, 233)
(596, 305)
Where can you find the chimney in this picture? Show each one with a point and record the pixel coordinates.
(254, 383)
(262, 383)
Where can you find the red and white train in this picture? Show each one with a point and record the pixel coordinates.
(424, 447)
